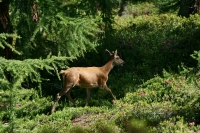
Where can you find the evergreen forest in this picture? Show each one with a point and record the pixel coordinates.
(157, 89)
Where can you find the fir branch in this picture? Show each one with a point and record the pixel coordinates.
(21, 70)
(3, 42)
(80, 36)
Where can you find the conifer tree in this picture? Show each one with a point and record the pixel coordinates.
(39, 27)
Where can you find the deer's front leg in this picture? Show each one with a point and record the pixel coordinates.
(105, 87)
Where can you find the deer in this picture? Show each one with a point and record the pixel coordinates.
(87, 77)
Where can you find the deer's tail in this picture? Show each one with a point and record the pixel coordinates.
(62, 72)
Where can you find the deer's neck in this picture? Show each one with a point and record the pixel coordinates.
(108, 66)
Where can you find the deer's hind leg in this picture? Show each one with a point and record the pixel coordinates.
(58, 96)
(88, 97)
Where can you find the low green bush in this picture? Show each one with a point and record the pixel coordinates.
(149, 44)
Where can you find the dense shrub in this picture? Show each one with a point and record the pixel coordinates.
(162, 104)
(150, 43)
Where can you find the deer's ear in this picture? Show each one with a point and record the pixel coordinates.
(115, 52)
(108, 51)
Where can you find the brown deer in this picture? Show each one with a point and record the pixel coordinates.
(87, 77)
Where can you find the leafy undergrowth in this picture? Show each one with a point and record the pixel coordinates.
(167, 103)
(160, 105)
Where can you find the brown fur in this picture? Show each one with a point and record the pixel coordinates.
(87, 77)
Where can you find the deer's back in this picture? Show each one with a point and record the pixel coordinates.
(87, 77)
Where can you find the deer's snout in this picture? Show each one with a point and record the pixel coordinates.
(122, 62)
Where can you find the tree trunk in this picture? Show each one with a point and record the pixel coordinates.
(122, 5)
(187, 7)
(6, 26)
(198, 6)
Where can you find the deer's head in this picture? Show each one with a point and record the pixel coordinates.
(116, 59)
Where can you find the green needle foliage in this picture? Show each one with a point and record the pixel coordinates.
(15, 73)
(61, 27)
(3, 42)
(20, 70)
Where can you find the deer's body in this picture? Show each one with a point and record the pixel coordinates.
(87, 77)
